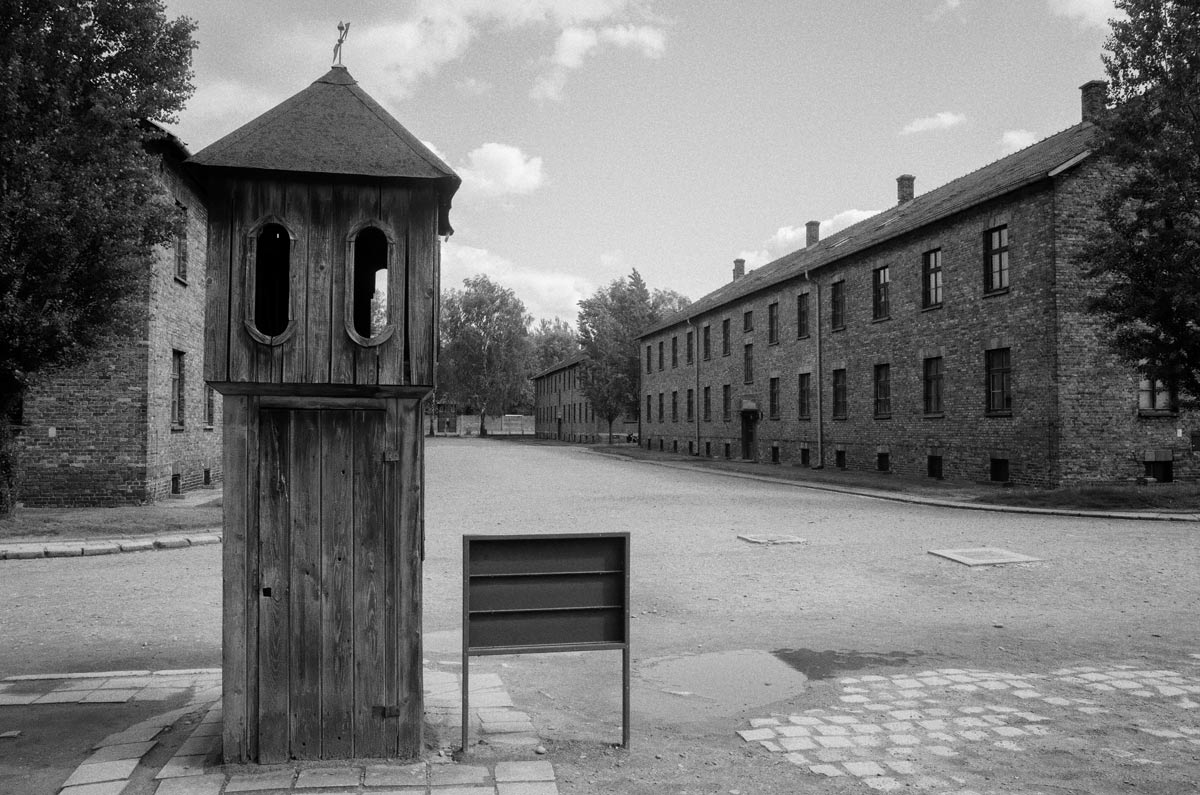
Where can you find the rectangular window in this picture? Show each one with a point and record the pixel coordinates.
(707, 342)
(803, 395)
(931, 278)
(773, 324)
(181, 244)
(660, 407)
(999, 470)
(210, 405)
(995, 259)
(802, 315)
(708, 404)
(726, 407)
(1155, 396)
(691, 405)
(691, 344)
(880, 305)
(773, 398)
(660, 354)
(725, 337)
(932, 379)
(999, 381)
(933, 466)
(748, 364)
(674, 406)
(649, 408)
(805, 457)
(649, 358)
(839, 395)
(837, 305)
(674, 352)
(178, 388)
(883, 390)
(748, 320)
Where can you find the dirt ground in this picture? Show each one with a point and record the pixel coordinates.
(725, 632)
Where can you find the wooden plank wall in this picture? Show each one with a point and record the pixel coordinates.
(337, 610)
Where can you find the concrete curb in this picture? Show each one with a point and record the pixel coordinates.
(914, 499)
(33, 550)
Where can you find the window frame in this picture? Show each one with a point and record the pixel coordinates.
(393, 280)
(933, 375)
(773, 398)
(706, 342)
(674, 351)
(840, 405)
(802, 315)
(773, 323)
(690, 405)
(748, 363)
(178, 415)
(804, 396)
(998, 384)
(931, 279)
(882, 389)
(748, 321)
(1154, 391)
(250, 283)
(996, 260)
(726, 402)
(181, 244)
(690, 347)
(881, 280)
(725, 335)
(674, 405)
(707, 409)
(837, 305)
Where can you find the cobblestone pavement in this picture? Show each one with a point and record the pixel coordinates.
(920, 730)
(193, 766)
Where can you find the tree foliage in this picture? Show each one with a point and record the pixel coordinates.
(485, 347)
(553, 342)
(1147, 255)
(609, 323)
(80, 208)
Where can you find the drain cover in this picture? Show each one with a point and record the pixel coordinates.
(983, 556)
(769, 539)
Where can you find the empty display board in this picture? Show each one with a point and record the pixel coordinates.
(545, 593)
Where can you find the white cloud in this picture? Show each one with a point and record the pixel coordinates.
(1016, 140)
(1093, 13)
(219, 107)
(575, 44)
(792, 238)
(939, 121)
(473, 86)
(545, 294)
(495, 169)
(946, 7)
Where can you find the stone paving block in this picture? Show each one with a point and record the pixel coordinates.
(882, 783)
(490, 699)
(126, 683)
(827, 730)
(1008, 745)
(797, 759)
(101, 548)
(830, 755)
(396, 775)
(904, 739)
(506, 727)
(758, 723)
(863, 769)
(196, 785)
(207, 730)
(63, 550)
(171, 542)
(527, 788)
(834, 742)
(329, 778)
(865, 728)
(941, 750)
(158, 693)
(805, 720)
(258, 782)
(108, 697)
(63, 697)
(196, 746)
(524, 771)
(899, 726)
(130, 735)
(181, 766)
(17, 699)
(750, 735)
(855, 699)
(935, 725)
(1009, 731)
(867, 741)
(515, 740)
(104, 788)
(796, 743)
(111, 753)
(831, 771)
(771, 746)
(485, 681)
(970, 722)
(460, 791)
(973, 734)
(102, 771)
(136, 545)
(842, 719)
(440, 775)
(792, 731)
(902, 767)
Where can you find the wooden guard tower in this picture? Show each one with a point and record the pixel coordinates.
(321, 333)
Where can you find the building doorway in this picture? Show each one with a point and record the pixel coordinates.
(749, 421)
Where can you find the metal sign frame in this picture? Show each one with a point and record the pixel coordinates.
(540, 593)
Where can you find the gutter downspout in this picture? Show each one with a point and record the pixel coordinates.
(820, 381)
(696, 393)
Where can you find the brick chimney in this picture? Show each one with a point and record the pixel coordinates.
(904, 188)
(739, 269)
(812, 233)
(1094, 94)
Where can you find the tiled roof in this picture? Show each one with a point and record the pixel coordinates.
(331, 127)
(564, 364)
(1030, 165)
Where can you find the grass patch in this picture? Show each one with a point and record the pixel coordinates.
(110, 522)
(1175, 497)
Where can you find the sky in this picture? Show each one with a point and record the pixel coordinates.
(595, 137)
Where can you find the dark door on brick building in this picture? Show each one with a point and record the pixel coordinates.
(749, 419)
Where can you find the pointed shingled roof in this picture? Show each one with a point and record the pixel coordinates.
(331, 127)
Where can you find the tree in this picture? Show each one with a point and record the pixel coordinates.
(80, 208)
(609, 324)
(485, 347)
(1147, 254)
(553, 341)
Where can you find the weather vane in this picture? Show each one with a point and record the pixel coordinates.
(343, 31)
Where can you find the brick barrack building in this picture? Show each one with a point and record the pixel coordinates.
(561, 410)
(947, 336)
(135, 422)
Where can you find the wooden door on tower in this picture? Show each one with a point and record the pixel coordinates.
(331, 598)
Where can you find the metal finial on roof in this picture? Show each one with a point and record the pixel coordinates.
(343, 32)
